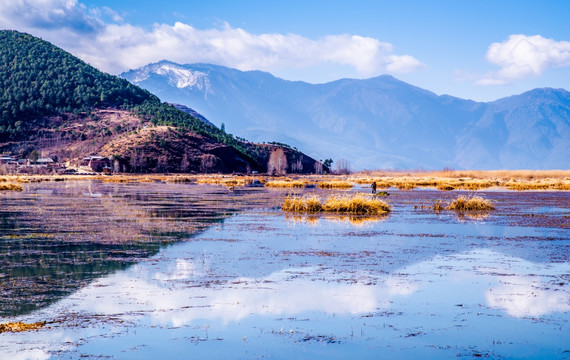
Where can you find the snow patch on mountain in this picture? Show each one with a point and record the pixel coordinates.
(176, 76)
(374, 123)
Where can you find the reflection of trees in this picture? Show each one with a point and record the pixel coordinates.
(55, 243)
(38, 269)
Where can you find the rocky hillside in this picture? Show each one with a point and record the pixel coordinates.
(54, 104)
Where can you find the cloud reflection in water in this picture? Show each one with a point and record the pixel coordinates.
(187, 291)
(175, 292)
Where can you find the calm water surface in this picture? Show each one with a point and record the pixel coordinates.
(188, 271)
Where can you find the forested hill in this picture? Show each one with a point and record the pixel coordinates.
(39, 79)
(48, 96)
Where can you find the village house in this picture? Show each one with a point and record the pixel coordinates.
(4, 159)
(97, 163)
(47, 162)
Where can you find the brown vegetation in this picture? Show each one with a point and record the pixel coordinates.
(353, 204)
(475, 203)
(406, 182)
(335, 185)
(11, 187)
(470, 180)
(20, 326)
(286, 183)
(226, 180)
(438, 206)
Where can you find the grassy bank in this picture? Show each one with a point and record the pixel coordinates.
(555, 180)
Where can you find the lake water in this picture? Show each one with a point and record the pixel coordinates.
(135, 271)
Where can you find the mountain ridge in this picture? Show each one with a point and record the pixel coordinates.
(56, 105)
(381, 122)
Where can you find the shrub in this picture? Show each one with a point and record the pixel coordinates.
(355, 204)
(438, 206)
(20, 326)
(285, 184)
(464, 203)
(11, 187)
(302, 204)
(445, 187)
(335, 185)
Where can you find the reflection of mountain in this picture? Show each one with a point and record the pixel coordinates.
(257, 275)
(38, 269)
(59, 238)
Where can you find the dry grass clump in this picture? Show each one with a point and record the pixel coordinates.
(335, 185)
(445, 187)
(476, 184)
(286, 184)
(302, 204)
(464, 203)
(405, 185)
(225, 181)
(538, 184)
(381, 183)
(20, 326)
(353, 204)
(356, 204)
(11, 187)
(472, 180)
(180, 179)
(115, 179)
(438, 206)
(236, 182)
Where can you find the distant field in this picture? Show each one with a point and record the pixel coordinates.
(404, 180)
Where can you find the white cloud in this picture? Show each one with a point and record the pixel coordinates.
(522, 56)
(521, 297)
(115, 46)
(48, 15)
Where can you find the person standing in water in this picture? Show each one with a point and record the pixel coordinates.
(373, 186)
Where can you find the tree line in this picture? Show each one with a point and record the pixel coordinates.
(38, 79)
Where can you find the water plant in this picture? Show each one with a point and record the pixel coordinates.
(335, 185)
(286, 184)
(11, 187)
(465, 203)
(353, 204)
(20, 326)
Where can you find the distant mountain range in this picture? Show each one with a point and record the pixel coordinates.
(380, 122)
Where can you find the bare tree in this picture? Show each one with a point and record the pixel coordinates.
(277, 164)
(116, 166)
(343, 166)
(184, 164)
(318, 167)
(208, 162)
(162, 164)
(135, 161)
(297, 166)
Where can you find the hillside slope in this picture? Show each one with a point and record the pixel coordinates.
(57, 105)
(373, 123)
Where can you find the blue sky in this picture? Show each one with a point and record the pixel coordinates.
(482, 50)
